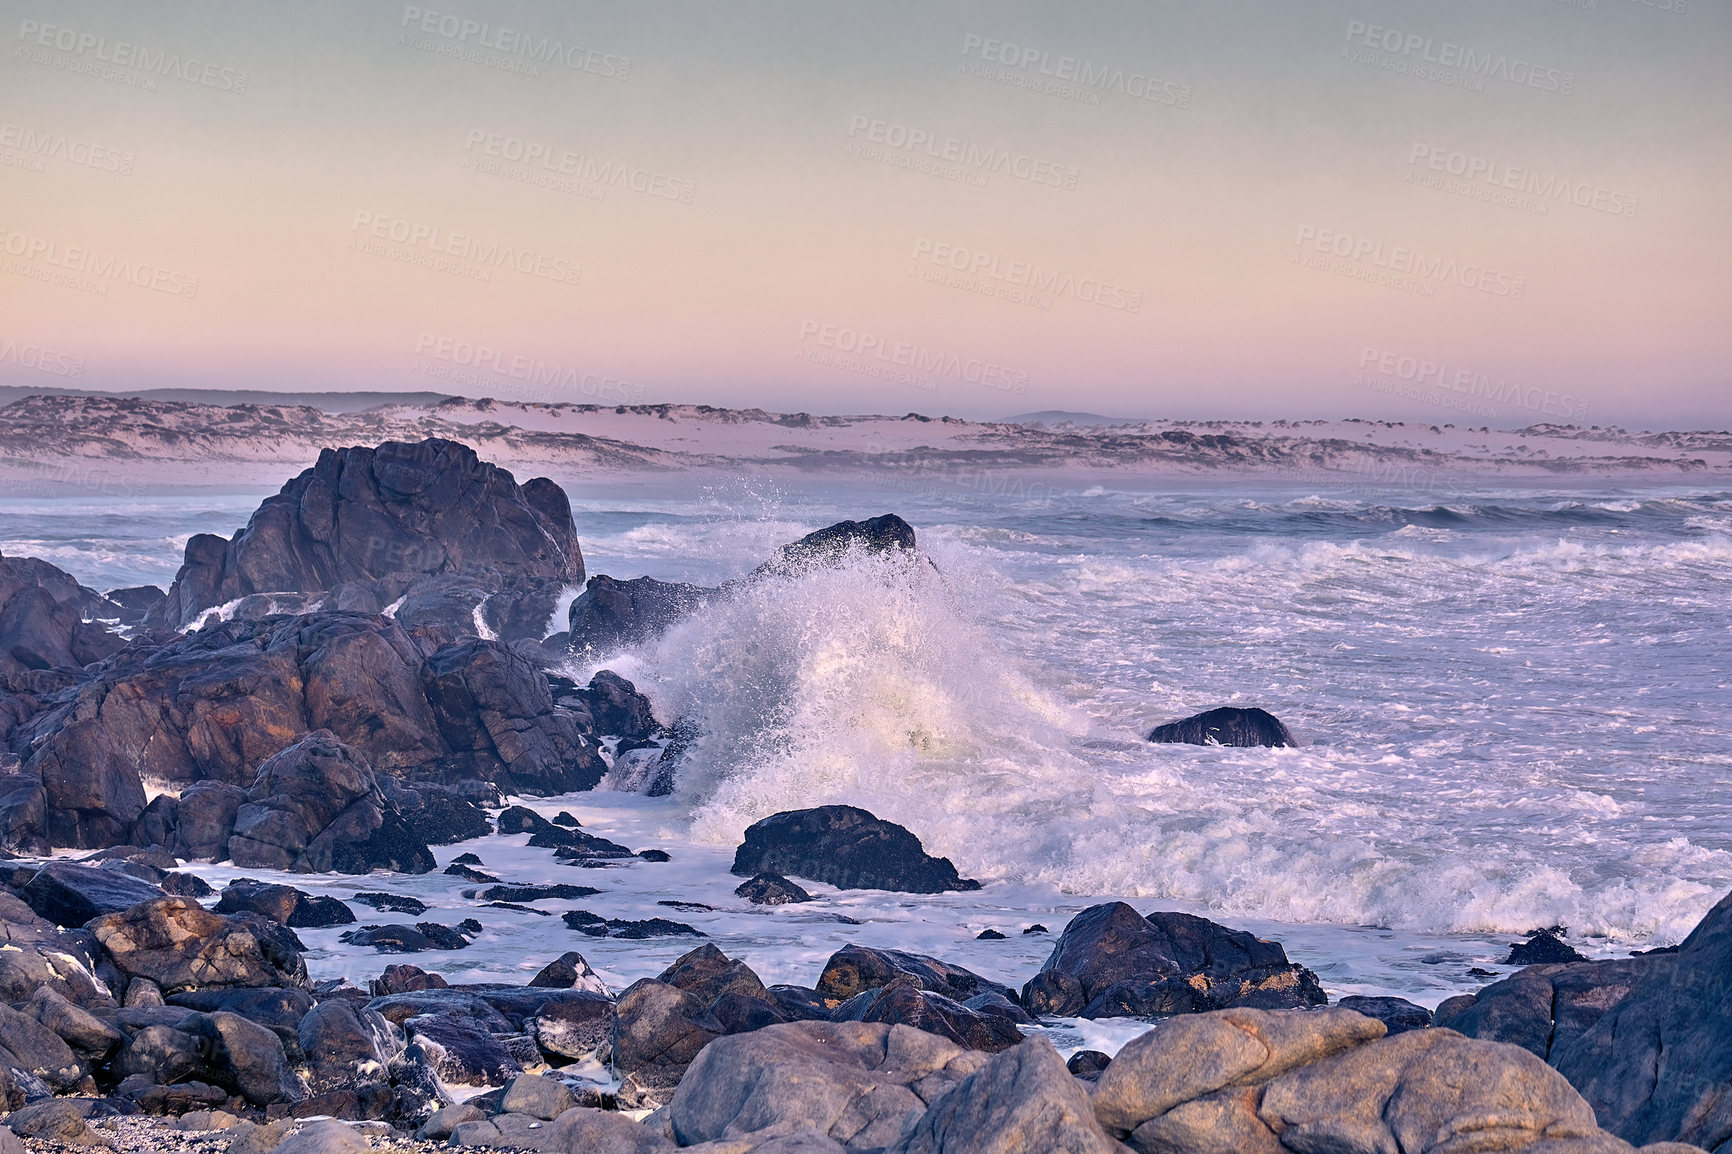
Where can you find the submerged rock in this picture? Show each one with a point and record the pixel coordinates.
(771, 890)
(1228, 725)
(1543, 947)
(846, 847)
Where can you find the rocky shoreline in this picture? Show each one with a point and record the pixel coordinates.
(365, 672)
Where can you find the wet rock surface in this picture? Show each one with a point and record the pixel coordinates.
(1229, 725)
(846, 847)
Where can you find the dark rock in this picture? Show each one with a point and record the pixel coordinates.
(904, 1002)
(801, 1003)
(610, 614)
(854, 969)
(659, 1030)
(832, 544)
(43, 618)
(585, 922)
(73, 894)
(1228, 725)
(568, 971)
(461, 1051)
(706, 973)
(405, 979)
(989, 936)
(1656, 1065)
(276, 1008)
(1037, 928)
(391, 903)
(847, 848)
(993, 1002)
(575, 845)
(1087, 1064)
(493, 708)
(35, 955)
(469, 873)
(250, 1059)
(315, 808)
(1112, 962)
(61, 1123)
(164, 1055)
(286, 905)
(739, 1013)
(185, 885)
(205, 819)
(346, 1045)
(88, 1037)
(617, 708)
(573, 1027)
(401, 939)
(1021, 1099)
(437, 814)
(651, 928)
(135, 601)
(520, 819)
(467, 859)
(1396, 1014)
(28, 1045)
(771, 890)
(563, 817)
(1543, 947)
(383, 516)
(657, 855)
(535, 893)
(178, 945)
(23, 815)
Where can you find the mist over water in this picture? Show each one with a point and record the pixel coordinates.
(1512, 706)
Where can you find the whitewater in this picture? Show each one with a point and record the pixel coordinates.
(1511, 705)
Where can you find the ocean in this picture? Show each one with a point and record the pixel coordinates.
(1511, 703)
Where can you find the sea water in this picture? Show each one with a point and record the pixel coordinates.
(1511, 706)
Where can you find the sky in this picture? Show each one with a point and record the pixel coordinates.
(1488, 212)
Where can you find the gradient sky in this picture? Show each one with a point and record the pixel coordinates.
(1285, 254)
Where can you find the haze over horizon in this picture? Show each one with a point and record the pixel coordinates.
(1498, 214)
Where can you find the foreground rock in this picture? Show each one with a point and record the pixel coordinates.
(179, 945)
(1113, 962)
(611, 614)
(845, 847)
(364, 525)
(1647, 1040)
(1226, 726)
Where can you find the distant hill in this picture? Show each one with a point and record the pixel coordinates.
(325, 402)
(1065, 417)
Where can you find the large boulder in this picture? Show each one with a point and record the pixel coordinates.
(180, 945)
(845, 847)
(48, 620)
(205, 819)
(855, 969)
(860, 1083)
(496, 714)
(1657, 1064)
(366, 523)
(23, 815)
(833, 544)
(315, 808)
(1113, 962)
(659, 1030)
(282, 904)
(71, 895)
(1542, 1008)
(1021, 1100)
(611, 614)
(37, 956)
(1228, 725)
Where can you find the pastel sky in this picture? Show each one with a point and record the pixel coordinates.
(1491, 211)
